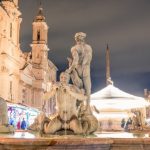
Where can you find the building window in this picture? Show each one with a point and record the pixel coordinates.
(10, 29)
(38, 36)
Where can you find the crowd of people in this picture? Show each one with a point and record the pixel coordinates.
(20, 125)
(131, 123)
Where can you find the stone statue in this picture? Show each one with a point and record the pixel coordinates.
(79, 66)
(4, 126)
(67, 111)
(89, 122)
(72, 100)
(79, 69)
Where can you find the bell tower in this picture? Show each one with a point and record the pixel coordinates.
(39, 56)
(39, 40)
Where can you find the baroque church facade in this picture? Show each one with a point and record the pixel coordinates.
(24, 76)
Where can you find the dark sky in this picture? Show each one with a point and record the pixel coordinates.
(123, 24)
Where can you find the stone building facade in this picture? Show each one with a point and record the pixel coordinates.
(24, 76)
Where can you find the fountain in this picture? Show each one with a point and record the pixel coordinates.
(74, 125)
(73, 114)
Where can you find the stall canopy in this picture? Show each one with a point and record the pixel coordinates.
(113, 98)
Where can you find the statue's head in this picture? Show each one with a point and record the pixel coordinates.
(64, 77)
(80, 36)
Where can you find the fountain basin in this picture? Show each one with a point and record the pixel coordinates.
(101, 141)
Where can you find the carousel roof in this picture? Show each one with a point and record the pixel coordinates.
(113, 98)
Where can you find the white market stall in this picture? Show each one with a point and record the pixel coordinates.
(111, 105)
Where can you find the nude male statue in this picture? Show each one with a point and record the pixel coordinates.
(82, 56)
(66, 98)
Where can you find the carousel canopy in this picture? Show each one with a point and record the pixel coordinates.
(113, 98)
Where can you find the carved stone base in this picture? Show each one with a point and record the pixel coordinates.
(76, 143)
(6, 129)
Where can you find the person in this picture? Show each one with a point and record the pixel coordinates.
(79, 66)
(129, 124)
(23, 124)
(123, 123)
(11, 121)
(66, 98)
(18, 124)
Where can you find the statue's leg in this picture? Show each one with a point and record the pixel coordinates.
(76, 79)
(87, 87)
(87, 82)
(53, 126)
(92, 123)
(76, 126)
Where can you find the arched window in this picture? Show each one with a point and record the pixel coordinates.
(38, 36)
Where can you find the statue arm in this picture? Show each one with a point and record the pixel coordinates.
(76, 94)
(47, 96)
(50, 94)
(75, 59)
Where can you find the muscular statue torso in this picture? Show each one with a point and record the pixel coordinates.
(83, 52)
(66, 98)
(66, 103)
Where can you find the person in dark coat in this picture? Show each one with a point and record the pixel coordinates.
(123, 123)
(23, 124)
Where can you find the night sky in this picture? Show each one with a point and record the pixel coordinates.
(123, 24)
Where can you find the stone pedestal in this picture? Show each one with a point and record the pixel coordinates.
(6, 129)
(77, 143)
